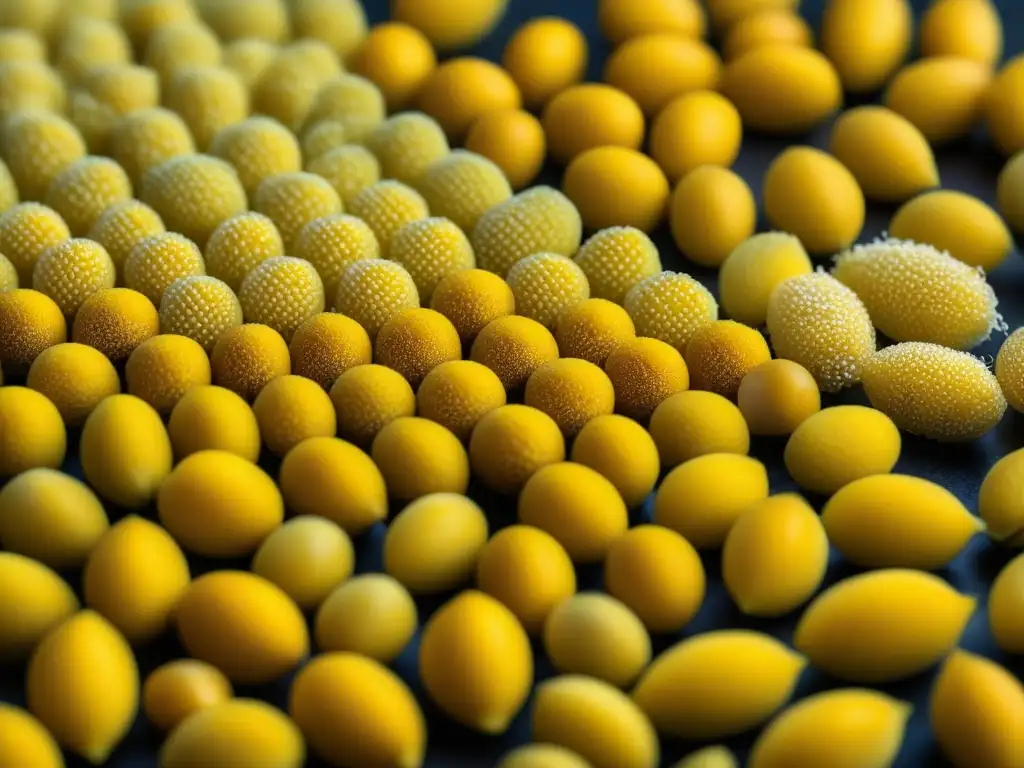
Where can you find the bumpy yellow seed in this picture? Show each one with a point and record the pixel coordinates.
(721, 353)
(816, 321)
(616, 259)
(201, 308)
(72, 271)
(670, 307)
(934, 391)
(282, 292)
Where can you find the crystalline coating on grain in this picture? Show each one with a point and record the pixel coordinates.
(37, 145)
(194, 194)
(616, 259)
(934, 391)
(158, 261)
(282, 292)
(348, 168)
(540, 219)
(148, 138)
(1010, 369)
(817, 321)
(331, 243)
(914, 292)
(258, 148)
(123, 226)
(462, 186)
(201, 308)
(239, 245)
(406, 144)
(85, 189)
(670, 306)
(26, 231)
(545, 285)
(372, 291)
(292, 200)
(386, 207)
(430, 249)
(72, 271)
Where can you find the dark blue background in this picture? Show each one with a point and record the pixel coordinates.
(972, 167)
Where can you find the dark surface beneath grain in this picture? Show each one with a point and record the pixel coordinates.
(971, 167)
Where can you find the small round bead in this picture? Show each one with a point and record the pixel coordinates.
(72, 271)
(37, 145)
(462, 89)
(30, 322)
(398, 59)
(592, 330)
(545, 56)
(239, 245)
(545, 285)
(157, 261)
(124, 225)
(85, 189)
(644, 373)
(26, 231)
(415, 342)
(162, 369)
(208, 99)
(514, 347)
(148, 138)
(201, 308)
(405, 144)
(431, 249)
(670, 306)
(348, 168)
(247, 357)
(462, 186)
(258, 148)
(292, 200)
(511, 443)
(193, 194)
(115, 321)
(332, 243)
(387, 206)
(282, 292)
(617, 186)
(719, 355)
(777, 396)
(513, 140)
(616, 259)
(327, 345)
(372, 291)
(472, 298)
(572, 392)
(369, 397)
(457, 394)
(75, 378)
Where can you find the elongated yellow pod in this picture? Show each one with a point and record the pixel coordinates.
(961, 224)
(476, 662)
(238, 732)
(61, 687)
(970, 29)
(1010, 192)
(242, 624)
(977, 712)
(883, 626)
(596, 721)
(811, 194)
(1010, 369)
(817, 321)
(542, 756)
(125, 450)
(943, 96)
(782, 89)
(866, 40)
(25, 742)
(887, 155)
(355, 711)
(135, 577)
(845, 728)
(752, 675)
(915, 292)
(33, 600)
(838, 445)
(775, 556)
(898, 521)
(1006, 607)
(1001, 499)
(934, 391)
